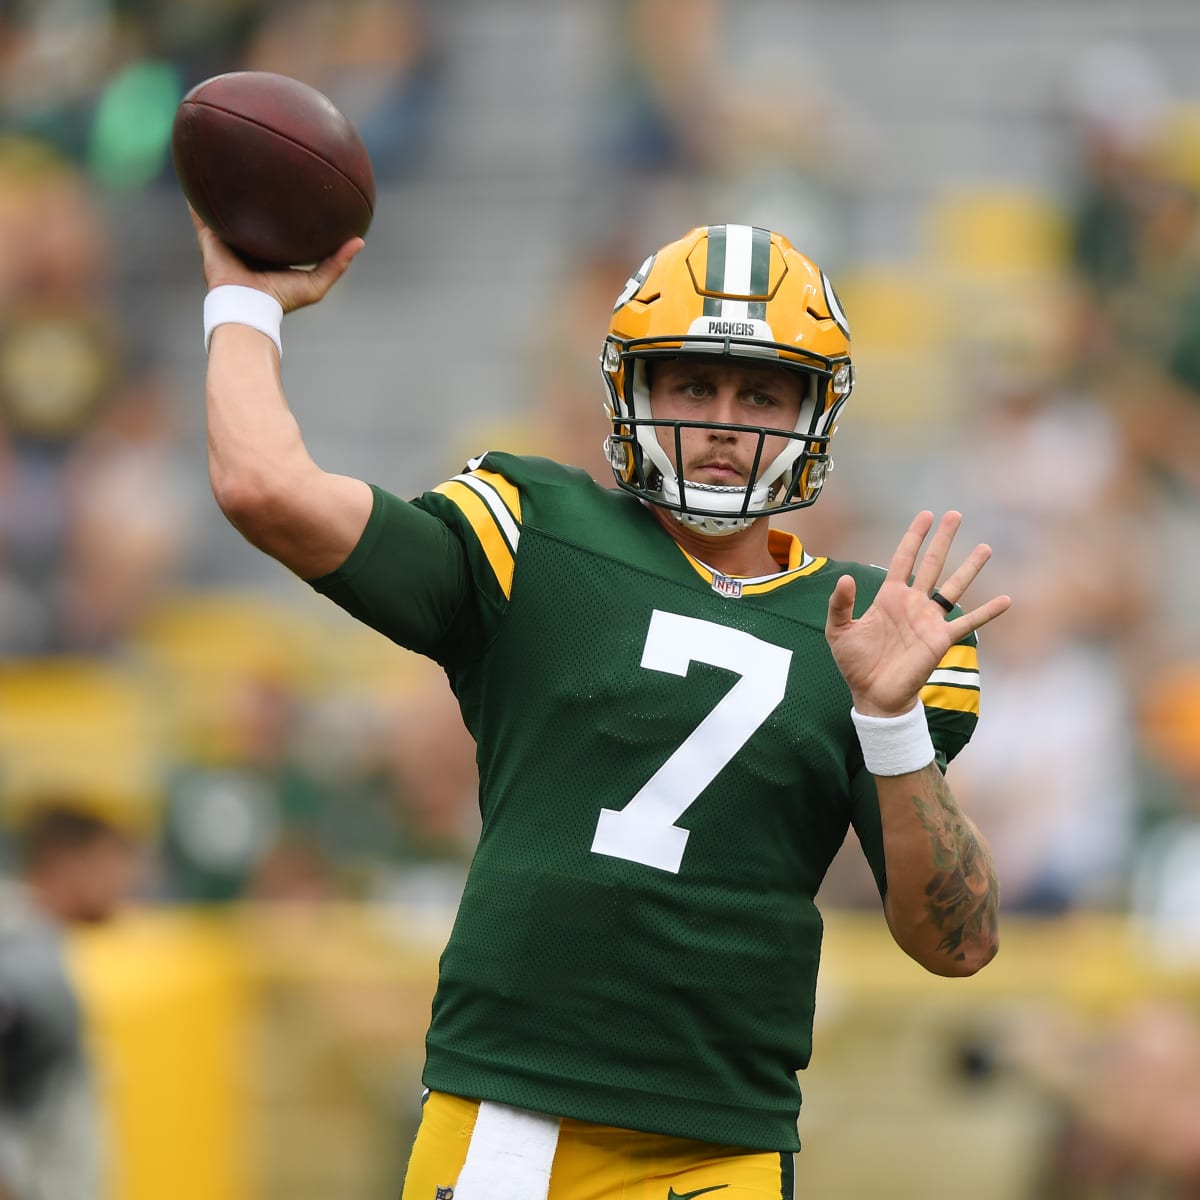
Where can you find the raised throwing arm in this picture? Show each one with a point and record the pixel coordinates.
(262, 475)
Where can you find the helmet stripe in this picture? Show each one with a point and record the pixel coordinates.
(739, 250)
(760, 271)
(714, 277)
(739, 264)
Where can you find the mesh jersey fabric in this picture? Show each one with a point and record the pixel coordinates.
(602, 672)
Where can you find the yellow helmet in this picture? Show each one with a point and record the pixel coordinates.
(736, 291)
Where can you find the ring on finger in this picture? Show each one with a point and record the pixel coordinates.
(941, 601)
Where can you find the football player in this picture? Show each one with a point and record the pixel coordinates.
(679, 714)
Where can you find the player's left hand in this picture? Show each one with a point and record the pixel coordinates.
(887, 655)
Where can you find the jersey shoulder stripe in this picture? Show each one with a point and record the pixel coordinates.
(954, 684)
(491, 506)
(952, 698)
(962, 655)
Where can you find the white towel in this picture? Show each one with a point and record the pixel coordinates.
(510, 1155)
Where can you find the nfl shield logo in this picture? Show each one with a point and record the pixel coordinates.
(444, 1194)
(731, 589)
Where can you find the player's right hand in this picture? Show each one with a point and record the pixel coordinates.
(292, 288)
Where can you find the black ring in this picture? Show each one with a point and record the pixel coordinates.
(941, 600)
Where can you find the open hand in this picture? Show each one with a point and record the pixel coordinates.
(292, 288)
(888, 654)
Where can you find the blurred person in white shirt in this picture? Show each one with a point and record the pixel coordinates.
(75, 868)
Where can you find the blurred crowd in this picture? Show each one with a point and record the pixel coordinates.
(266, 751)
(99, 495)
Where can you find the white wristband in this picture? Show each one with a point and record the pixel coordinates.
(894, 745)
(232, 304)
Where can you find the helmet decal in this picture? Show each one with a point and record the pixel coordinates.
(835, 305)
(634, 282)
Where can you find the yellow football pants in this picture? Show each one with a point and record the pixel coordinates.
(598, 1162)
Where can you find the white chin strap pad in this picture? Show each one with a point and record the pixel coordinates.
(713, 525)
(717, 501)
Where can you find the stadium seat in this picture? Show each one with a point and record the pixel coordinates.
(81, 728)
(994, 232)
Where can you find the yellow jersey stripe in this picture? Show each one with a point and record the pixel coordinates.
(507, 491)
(964, 657)
(953, 699)
(483, 521)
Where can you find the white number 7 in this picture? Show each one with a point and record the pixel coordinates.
(644, 831)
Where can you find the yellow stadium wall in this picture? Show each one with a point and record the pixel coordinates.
(170, 1002)
(254, 1055)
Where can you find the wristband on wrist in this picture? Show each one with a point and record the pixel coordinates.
(232, 304)
(894, 745)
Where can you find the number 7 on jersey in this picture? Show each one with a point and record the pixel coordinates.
(644, 831)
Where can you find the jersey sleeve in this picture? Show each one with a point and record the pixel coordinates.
(482, 506)
(951, 699)
(407, 578)
(434, 574)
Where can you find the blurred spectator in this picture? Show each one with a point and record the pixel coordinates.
(1165, 889)
(54, 59)
(1051, 773)
(122, 553)
(377, 60)
(98, 80)
(1116, 97)
(781, 148)
(76, 868)
(201, 37)
(431, 759)
(564, 415)
(86, 436)
(223, 807)
(245, 817)
(1135, 216)
(665, 78)
(1128, 1092)
(700, 118)
(295, 800)
(652, 135)
(55, 243)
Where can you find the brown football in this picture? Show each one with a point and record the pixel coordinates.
(272, 167)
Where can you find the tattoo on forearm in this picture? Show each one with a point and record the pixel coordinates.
(962, 894)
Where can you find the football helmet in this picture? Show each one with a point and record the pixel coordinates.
(741, 292)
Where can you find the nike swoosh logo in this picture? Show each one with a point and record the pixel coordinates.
(672, 1194)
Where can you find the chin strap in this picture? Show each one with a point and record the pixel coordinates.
(712, 525)
(731, 499)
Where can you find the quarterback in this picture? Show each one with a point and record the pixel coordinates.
(679, 711)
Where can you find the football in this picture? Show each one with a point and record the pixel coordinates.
(272, 167)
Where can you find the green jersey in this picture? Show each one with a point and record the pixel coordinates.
(667, 768)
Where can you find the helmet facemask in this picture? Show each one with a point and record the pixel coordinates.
(789, 466)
